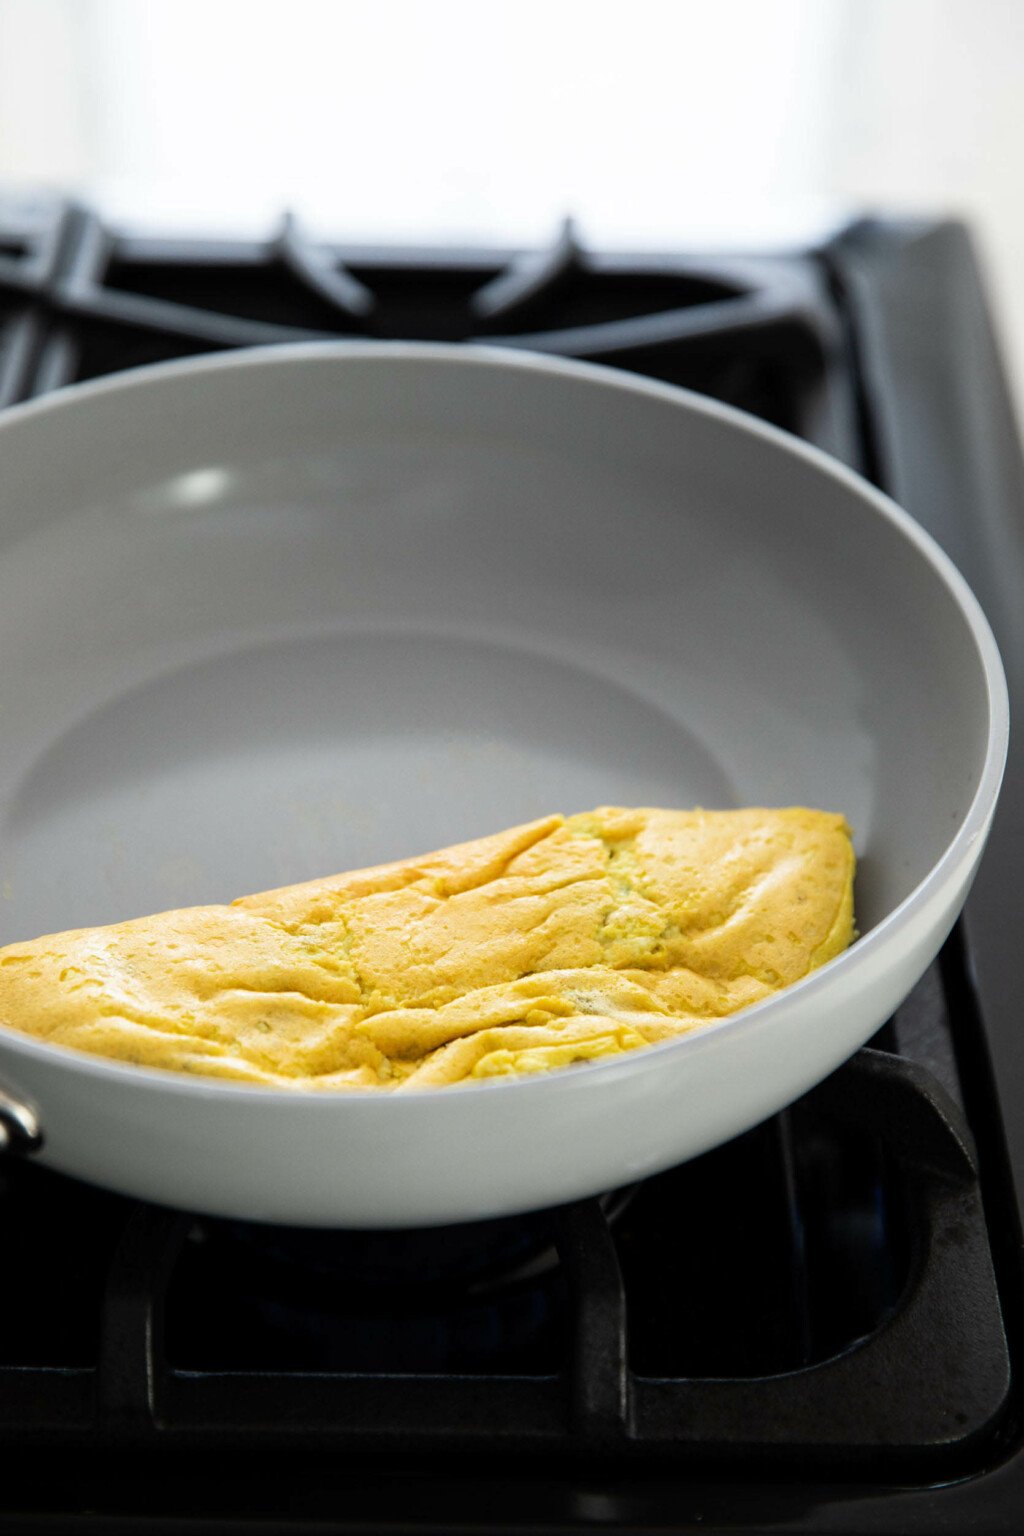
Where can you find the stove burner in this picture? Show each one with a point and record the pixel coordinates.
(480, 1297)
(477, 1256)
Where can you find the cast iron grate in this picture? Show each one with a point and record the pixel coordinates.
(906, 1389)
(77, 301)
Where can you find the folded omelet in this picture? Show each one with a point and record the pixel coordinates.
(562, 941)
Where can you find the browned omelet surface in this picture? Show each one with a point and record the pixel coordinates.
(561, 941)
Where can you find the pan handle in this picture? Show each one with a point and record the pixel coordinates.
(20, 1131)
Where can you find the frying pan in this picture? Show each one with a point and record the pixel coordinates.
(269, 616)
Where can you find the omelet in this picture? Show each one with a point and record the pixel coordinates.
(564, 941)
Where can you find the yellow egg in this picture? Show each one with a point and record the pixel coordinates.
(567, 940)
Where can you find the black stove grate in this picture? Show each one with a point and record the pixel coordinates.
(815, 1301)
(634, 1338)
(76, 302)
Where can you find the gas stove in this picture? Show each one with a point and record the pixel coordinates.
(816, 1327)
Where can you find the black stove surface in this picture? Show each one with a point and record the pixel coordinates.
(816, 1327)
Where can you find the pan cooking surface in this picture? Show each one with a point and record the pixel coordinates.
(248, 656)
(283, 762)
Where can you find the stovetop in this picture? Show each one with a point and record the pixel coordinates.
(814, 1327)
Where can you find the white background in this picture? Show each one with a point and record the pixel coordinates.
(666, 125)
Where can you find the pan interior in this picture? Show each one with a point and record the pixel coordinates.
(268, 622)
